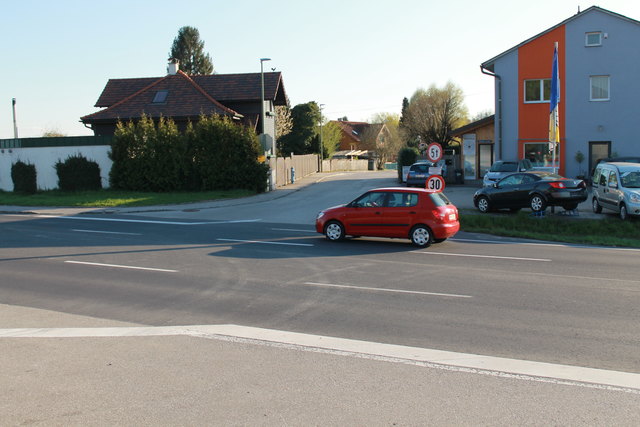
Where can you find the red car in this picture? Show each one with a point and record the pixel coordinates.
(406, 213)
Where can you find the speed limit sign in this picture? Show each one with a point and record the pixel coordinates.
(434, 152)
(435, 184)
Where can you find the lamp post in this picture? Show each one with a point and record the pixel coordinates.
(321, 146)
(15, 124)
(272, 172)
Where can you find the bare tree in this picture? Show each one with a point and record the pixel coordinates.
(433, 113)
(284, 123)
(383, 137)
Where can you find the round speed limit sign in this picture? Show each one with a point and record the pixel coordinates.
(435, 184)
(434, 152)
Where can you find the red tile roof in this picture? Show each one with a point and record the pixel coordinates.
(184, 99)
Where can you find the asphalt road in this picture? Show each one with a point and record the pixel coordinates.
(534, 312)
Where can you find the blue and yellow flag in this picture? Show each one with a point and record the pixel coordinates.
(554, 116)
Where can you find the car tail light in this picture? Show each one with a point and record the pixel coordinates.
(557, 184)
(444, 214)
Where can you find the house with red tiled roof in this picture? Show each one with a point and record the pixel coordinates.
(185, 98)
(359, 138)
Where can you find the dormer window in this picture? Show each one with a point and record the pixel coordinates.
(160, 97)
(593, 39)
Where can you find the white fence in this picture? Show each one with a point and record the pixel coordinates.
(44, 153)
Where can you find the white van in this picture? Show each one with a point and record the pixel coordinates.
(616, 186)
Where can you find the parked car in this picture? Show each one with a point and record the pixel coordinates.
(532, 189)
(406, 213)
(626, 159)
(501, 168)
(616, 186)
(419, 172)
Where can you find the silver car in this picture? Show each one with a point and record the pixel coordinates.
(501, 168)
(616, 186)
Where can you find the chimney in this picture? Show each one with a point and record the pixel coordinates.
(173, 66)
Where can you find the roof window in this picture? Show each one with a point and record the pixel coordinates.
(160, 97)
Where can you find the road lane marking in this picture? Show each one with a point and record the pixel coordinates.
(559, 245)
(485, 256)
(264, 242)
(105, 232)
(130, 267)
(517, 369)
(400, 291)
(142, 221)
(295, 230)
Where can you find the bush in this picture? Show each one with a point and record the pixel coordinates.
(78, 174)
(24, 177)
(406, 157)
(214, 154)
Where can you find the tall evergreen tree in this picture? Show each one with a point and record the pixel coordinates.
(189, 50)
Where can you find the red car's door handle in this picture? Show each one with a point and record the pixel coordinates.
(413, 212)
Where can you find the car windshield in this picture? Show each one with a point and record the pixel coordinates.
(421, 168)
(504, 167)
(630, 179)
(439, 199)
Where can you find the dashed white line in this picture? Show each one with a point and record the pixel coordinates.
(486, 256)
(399, 291)
(130, 267)
(106, 232)
(265, 242)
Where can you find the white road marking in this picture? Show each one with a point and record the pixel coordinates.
(524, 370)
(558, 245)
(142, 221)
(485, 256)
(400, 291)
(130, 267)
(265, 242)
(295, 230)
(106, 232)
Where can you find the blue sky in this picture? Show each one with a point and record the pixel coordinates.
(356, 57)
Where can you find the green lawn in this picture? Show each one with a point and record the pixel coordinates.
(111, 198)
(607, 231)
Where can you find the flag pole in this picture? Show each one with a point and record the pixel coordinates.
(554, 119)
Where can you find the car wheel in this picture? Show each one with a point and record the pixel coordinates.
(421, 236)
(596, 206)
(570, 207)
(334, 231)
(623, 212)
(538, 203)
(484, 205)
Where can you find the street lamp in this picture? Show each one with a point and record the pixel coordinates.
(262, 115)
(272, 150)
(321, 146)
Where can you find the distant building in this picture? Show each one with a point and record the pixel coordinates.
(599, 59)
(185, 98)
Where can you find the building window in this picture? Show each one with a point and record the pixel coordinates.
(538, 90)
(593, 39)
(160, 97)
(540, 156)
(599, 88)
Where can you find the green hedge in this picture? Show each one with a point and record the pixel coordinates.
(77, 173)
(214, 154)
(406, 157)
(24, 177)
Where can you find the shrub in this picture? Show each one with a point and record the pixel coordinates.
(406, 157)
(78, 174)
(24, 177)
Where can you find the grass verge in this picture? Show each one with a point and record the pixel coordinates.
(111, 198)
(605, 232)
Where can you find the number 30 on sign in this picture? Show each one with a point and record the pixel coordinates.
(434, 184)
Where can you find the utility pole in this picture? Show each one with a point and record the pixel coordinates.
(15, 125)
